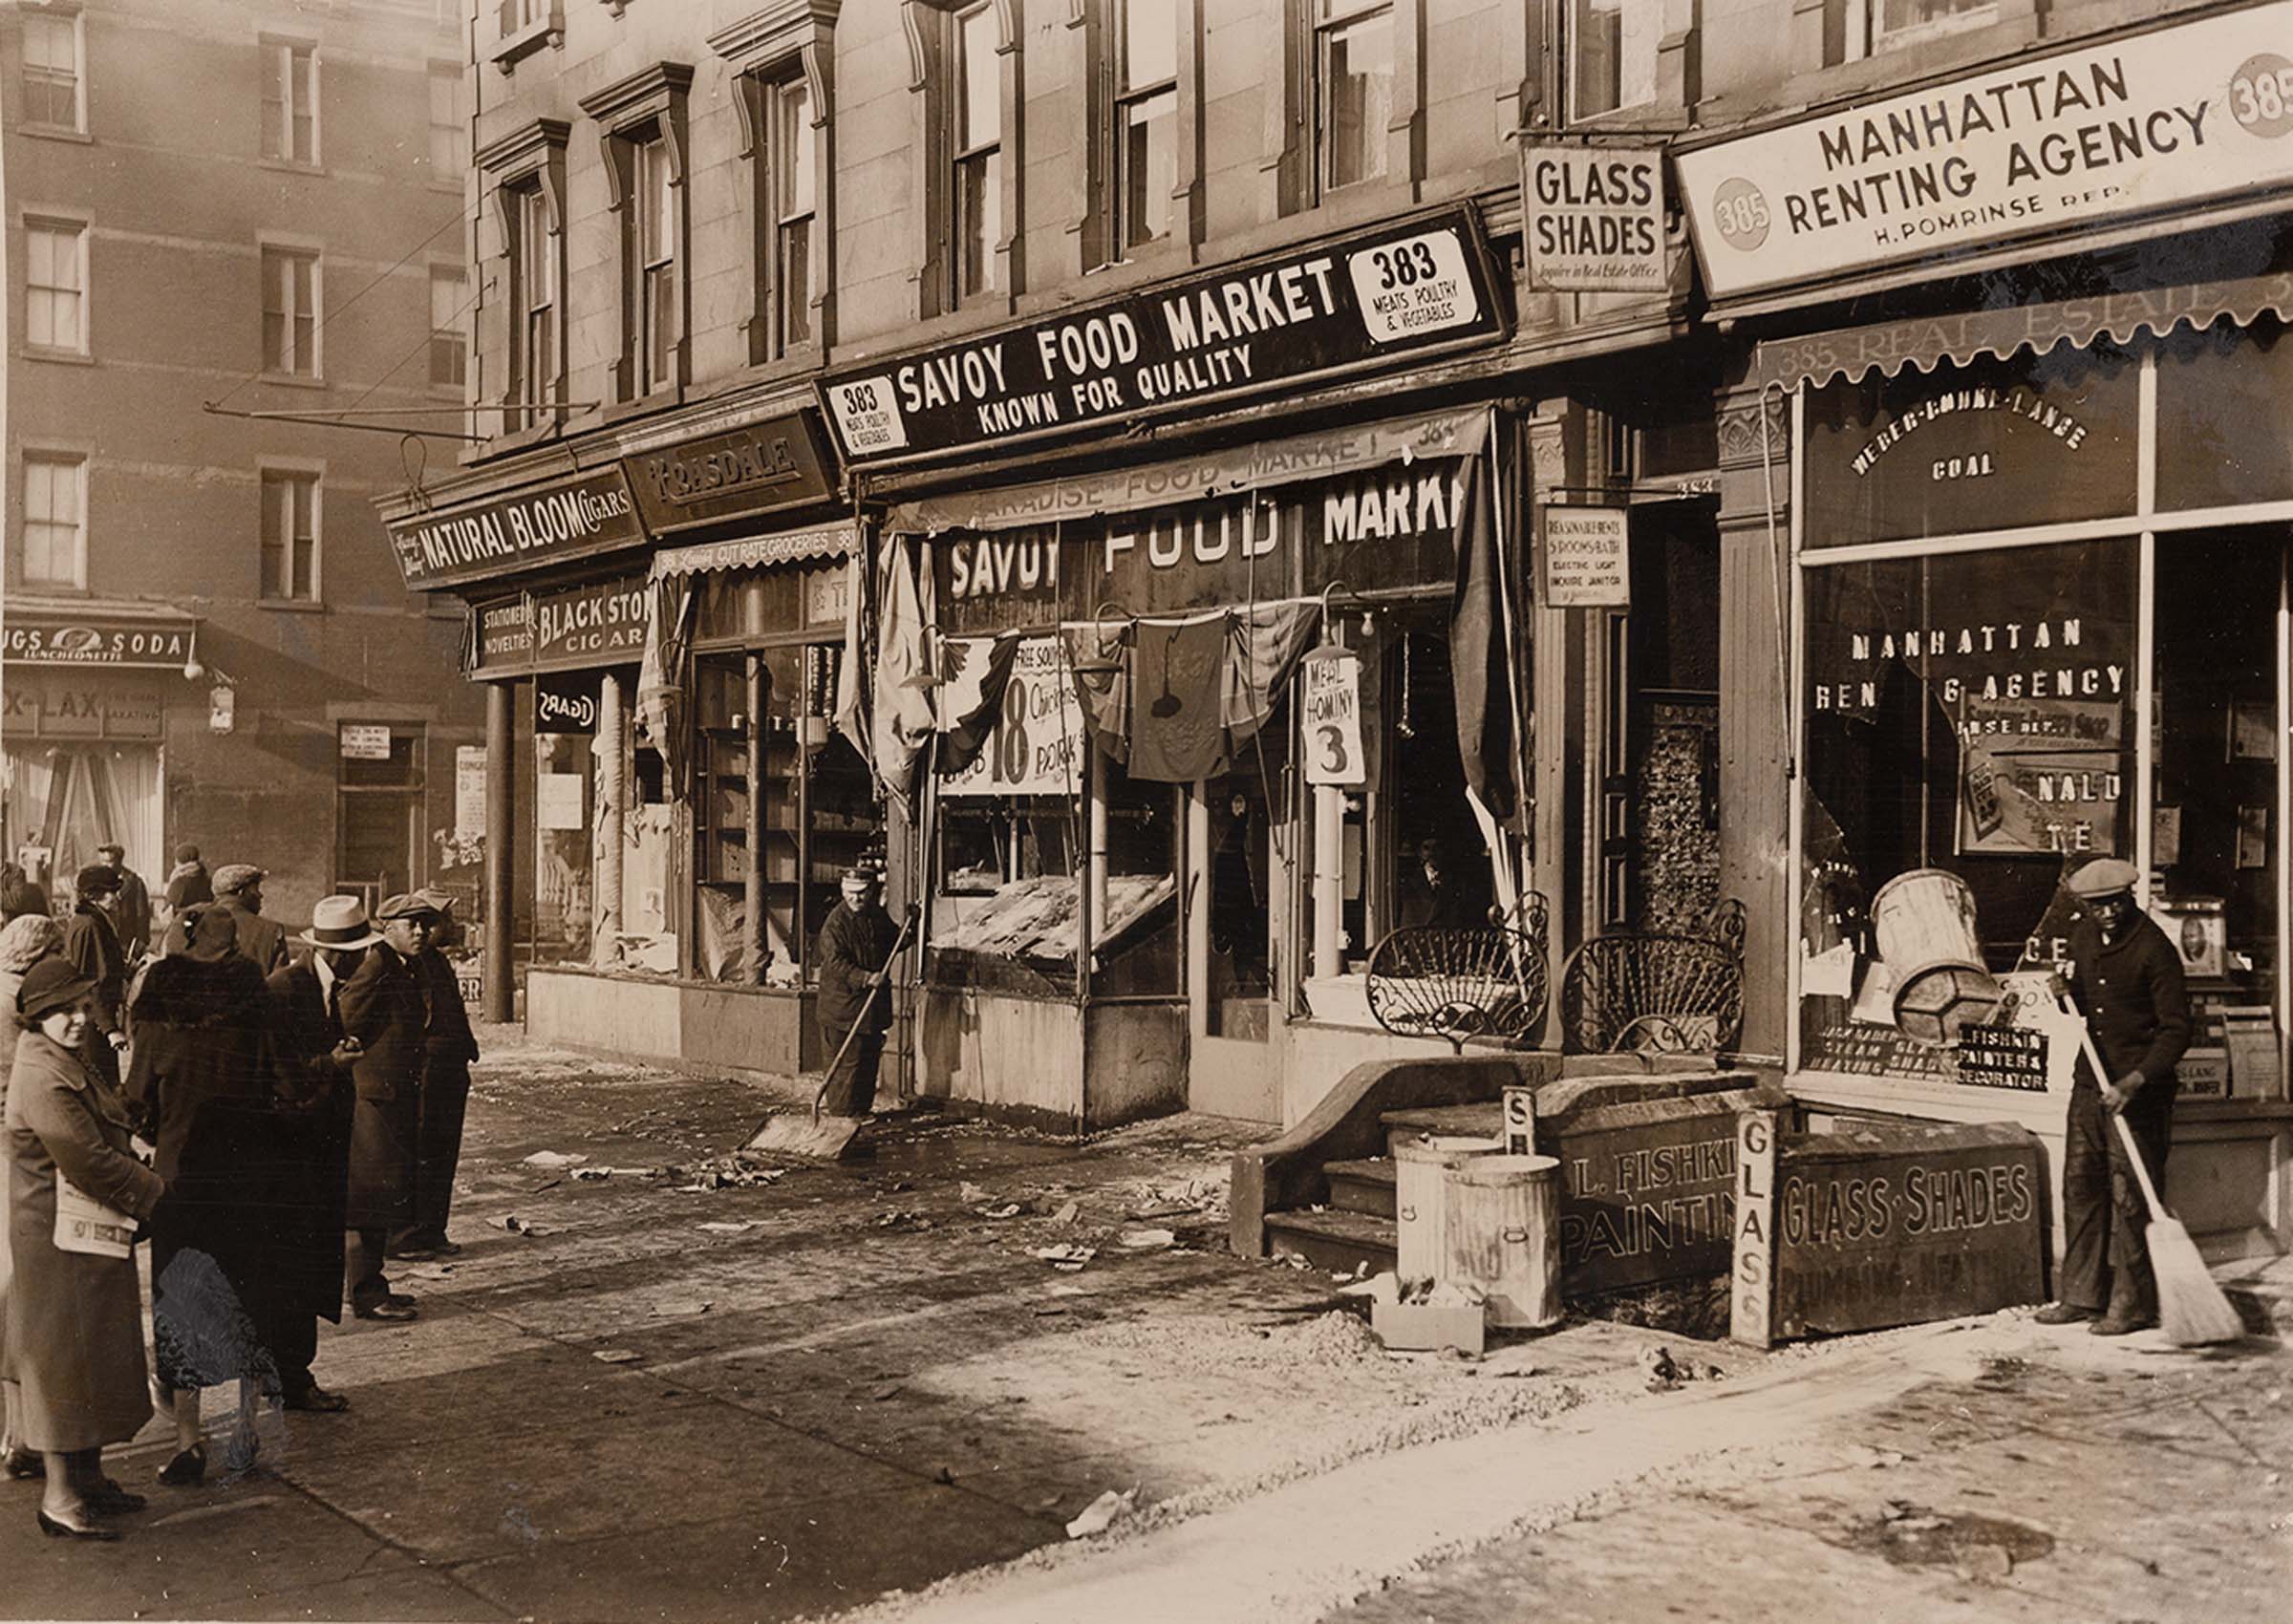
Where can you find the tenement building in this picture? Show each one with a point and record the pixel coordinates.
(1194, 487)
(228, 223)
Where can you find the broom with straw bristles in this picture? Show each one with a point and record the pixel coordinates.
(2193, 1310)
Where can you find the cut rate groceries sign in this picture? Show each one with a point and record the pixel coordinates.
(1416, 284)
(2179, 116)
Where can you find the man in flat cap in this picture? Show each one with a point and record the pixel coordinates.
(385, 1011)
(852, 950)
(239, 888)
(91, 943)
(2126, 979)
(133, 915)
(444, 1089)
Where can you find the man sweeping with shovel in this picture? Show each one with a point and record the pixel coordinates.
(2127, 978)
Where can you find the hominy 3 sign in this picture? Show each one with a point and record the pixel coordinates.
(2177, 117)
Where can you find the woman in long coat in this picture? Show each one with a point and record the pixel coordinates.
(75, 1319)
(24, 941)
(203, 1081)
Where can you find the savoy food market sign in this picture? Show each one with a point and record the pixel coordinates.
(1414, 285)
(2174, 117)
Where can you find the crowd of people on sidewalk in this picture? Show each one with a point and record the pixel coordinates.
(278, 1116)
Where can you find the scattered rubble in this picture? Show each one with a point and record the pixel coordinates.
(615, 1356)
(721, 1227)
(518, 1226)
(1065, 1256)
(1145, 1240)
(1068, 1213)
(554, 1159)
(1102, 1513)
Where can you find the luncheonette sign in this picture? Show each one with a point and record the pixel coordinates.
(1593, 218)
(2177, 117)
(572, 519)
(1413, 286)
(41, 638)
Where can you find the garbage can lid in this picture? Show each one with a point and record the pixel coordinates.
(1505, 1169)
(1446, 1149)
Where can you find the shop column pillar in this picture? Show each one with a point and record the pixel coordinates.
(501, 837)
(752, 891)
(612, 796)
(1329, 880)
(1755, 742)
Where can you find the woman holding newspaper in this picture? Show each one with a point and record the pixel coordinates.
(74, 1344)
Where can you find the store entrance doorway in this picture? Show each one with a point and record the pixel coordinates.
(1235, 877)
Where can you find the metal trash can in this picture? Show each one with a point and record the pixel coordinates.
(1420, 1198)
(1501, 1233)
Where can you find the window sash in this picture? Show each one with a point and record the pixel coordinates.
(1354, 103)
(290, 535)
(291, 105)
(1147, 46)
(54, 291)
(979, 221)
(449, 137)
(54, 521)
(449, 347)
(979, 121)
(793, 157)
(291, 313)
(535, 299)
(655, 339)
(1145, 166)
(52, 71)
(1613, 49)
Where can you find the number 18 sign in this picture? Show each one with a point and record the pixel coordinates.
(1333, 719)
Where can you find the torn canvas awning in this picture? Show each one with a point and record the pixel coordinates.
(749, 552)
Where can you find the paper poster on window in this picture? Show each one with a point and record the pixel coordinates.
(2014, 803)
(1036, 744)
(1333, 719)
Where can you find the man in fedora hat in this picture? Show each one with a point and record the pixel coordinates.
(314, 1125)
(444, 1089)
(2126, 979)
(384, 1008)
(239, 888)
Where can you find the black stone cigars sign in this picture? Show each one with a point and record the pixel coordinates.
(772, 464)
(1896, 1225)
(573, 519)
(44, 639)
(1414, 285)
(579, 627)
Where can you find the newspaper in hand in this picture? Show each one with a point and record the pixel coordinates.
(85, 1225)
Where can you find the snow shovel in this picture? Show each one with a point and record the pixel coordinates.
(815, 1138)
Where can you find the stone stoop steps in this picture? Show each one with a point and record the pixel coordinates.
(1357, 1227)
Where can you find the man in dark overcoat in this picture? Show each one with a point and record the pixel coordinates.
(239, 888)
(448, 1049)
(91, 943)
(852, 951)
(318, 1059)
(133, 917)
(384, 1008)
(2126, 979)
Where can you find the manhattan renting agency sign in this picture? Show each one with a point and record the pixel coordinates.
(2171, 118)
(1332, 307)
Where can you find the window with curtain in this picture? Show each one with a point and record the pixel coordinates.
(289, 102)
(976, 117)
(1353, 91)
(1145, 121)
(289, 536)
(52, 72)
(291, 313)
(793, 159)
(56, 285)
(55, 524)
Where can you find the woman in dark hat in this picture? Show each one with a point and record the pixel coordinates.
(24, 942)
(74, 1345)
(203, 1083)
(91, 943)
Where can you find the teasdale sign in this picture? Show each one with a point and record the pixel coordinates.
(1415, 286)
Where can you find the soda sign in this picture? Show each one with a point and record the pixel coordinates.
(36, 641)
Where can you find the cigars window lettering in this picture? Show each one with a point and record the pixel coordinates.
(1210, 335)
(598, 625)
(2174, 117)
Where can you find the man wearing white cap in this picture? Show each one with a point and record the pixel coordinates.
(2127, 982)
(314, 1140)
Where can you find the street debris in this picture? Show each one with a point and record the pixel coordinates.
(615, 1356)
(1066, 1255)
(889, 1390)
(1068, 1213)
(1144, 1240)
(597, 1175)
(1009, 1209)
(720, 1226)
(518, 1226)
(901, 1218)
(1101, 1513)
(680, 1307)
(554, 1159)
(971, 1195)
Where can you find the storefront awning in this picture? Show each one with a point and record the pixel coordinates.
(1261, 465)
(745, 552)
(1929, 341)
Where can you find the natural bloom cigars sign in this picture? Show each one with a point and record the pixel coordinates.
(1330, 307)
(589, 515)
(2181, 115)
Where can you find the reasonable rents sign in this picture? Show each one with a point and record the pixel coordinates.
(2175, 118)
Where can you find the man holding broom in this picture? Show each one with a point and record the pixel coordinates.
(2126, 977)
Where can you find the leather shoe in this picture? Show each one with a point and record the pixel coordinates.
(2062, 1313)
(315, 1397)
(2116, 1324)
(63, 1528)
(189, 1466)
(27, 1463)
(107, 1499)
(413, 1251)
(389, 1308)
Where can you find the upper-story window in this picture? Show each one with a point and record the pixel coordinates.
(654, 340)
(54, 86)
(641, 120)
(1892, 24)
(520, 307)
(1146, 123)
(289, 102)
(1612, 47)
(533, 302)
(291, 324)
(792, 159)
(449, 136)
(55, 520)
(977, 129)
(1353, 91)
(289, 536)
(55, 283)
(449, 344)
